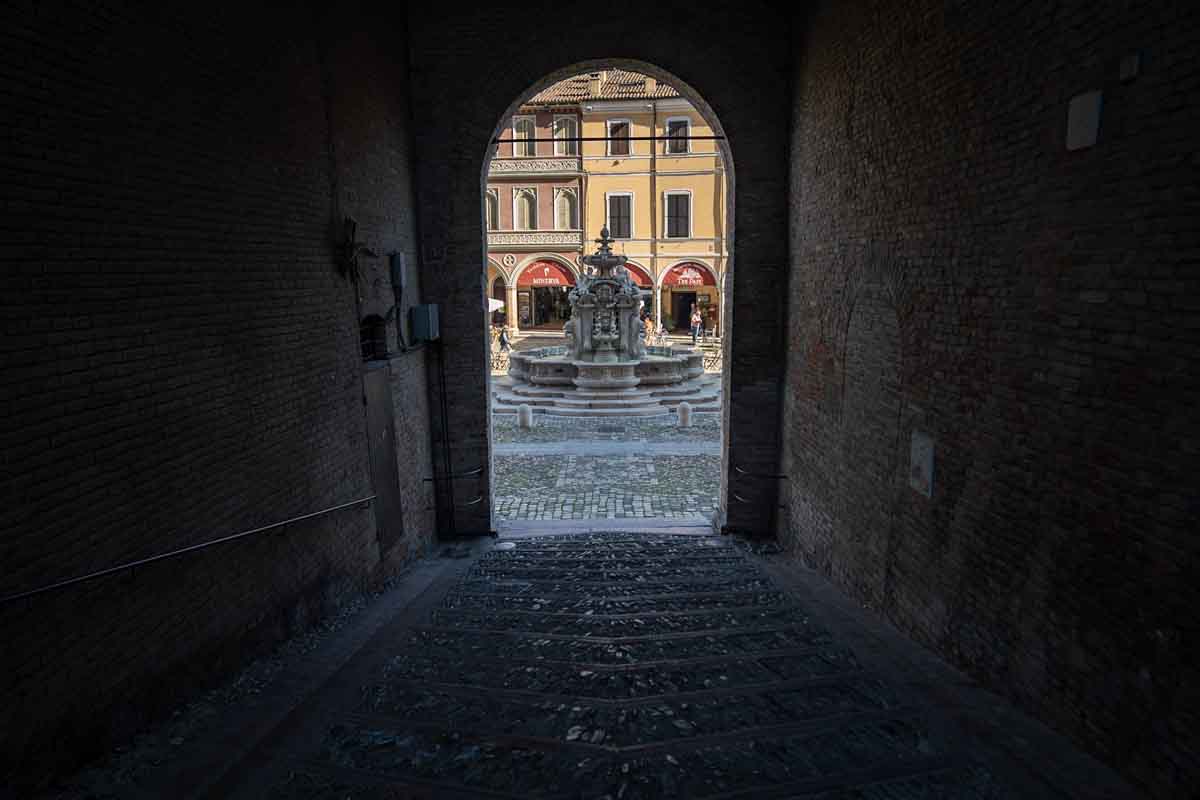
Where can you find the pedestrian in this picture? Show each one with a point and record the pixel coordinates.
(697, 324)
(504, 345)
(648, 322)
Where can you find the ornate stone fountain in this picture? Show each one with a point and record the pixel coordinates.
(605, 367)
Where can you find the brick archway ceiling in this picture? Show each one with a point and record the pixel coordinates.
(689, 274)
(639, 275)
(545, 273)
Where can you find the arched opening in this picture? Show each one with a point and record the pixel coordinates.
(542, 295)
(638, 152)
(493, 210)
(690, 287)
(525, 209)
(499, 299)
(566, 209)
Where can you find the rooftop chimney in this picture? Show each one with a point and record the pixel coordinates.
(594, 81)
(651, 85)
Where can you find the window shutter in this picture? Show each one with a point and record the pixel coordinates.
(619, 217)
(619, 139)
(677, 137)
(678, 214)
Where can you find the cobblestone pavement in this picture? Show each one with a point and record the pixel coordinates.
(622, 666)
(572, 469)
(618, 665)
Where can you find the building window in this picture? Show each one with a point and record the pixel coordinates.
(618, 137)
(524, 209)
(493, 210)
(372, 338)
(678, 131)
(523, 144)
(565, 131)
(620, 216)
(566, 210)
(679, 215)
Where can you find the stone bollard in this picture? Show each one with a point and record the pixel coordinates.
(685, 414)
(524, 417)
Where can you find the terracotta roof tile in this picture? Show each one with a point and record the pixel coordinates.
(618, 84)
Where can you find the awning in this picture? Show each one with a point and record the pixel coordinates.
(689, 274)
(546, 273)
(639, 275)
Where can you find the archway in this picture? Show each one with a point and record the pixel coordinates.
(542, 287)
(688, 286)
(664, 198)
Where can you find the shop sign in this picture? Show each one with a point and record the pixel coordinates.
(545, 274)
(688, 275)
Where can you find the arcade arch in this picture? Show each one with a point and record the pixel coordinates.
(541, 283)
(685, 284)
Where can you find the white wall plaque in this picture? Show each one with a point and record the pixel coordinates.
(920, 471)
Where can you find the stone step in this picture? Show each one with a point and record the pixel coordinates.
(563, 391)
(630, 411)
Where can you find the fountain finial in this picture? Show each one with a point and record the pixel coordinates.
(603, 259)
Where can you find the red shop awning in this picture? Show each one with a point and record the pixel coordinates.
(639, 275)
(689, 274)
(546, 273)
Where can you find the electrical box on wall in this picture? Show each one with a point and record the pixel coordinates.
(424, 321)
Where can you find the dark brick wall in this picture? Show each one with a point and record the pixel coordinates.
(736, 59)
(956, 271)
(180, 355)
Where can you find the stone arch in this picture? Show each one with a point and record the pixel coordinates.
(869, 467)
(750, 383)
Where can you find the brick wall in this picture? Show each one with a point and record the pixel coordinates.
(180, 354)
(956, 271)
(736, 60)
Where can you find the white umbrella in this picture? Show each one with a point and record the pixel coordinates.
(494, 304)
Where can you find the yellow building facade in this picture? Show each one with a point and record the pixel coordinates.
(663, 199)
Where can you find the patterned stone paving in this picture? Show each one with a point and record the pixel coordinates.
(622, 666)
(566, 469)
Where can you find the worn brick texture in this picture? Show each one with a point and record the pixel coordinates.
(180, 354)
(955, 270)
(471, 68)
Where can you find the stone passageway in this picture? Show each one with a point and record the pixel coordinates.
(620, 665)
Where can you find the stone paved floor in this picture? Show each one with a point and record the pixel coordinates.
(579, 469)
(622, 665)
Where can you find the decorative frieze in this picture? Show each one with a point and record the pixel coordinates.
(526, 166)
(499, 239)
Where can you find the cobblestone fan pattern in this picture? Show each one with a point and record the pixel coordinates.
(627, 666)
(573, 485)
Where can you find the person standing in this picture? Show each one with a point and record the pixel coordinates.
(697, 324)
(504, 345)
